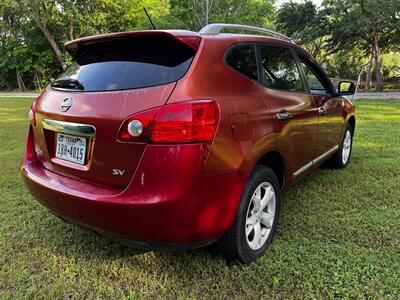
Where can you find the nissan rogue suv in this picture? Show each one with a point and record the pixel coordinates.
(182, 139)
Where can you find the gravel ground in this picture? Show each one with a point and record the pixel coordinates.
(18, 95)
(385, 95)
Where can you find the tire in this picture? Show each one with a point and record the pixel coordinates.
(259, 223)
(341, 158)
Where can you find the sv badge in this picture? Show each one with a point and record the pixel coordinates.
(118, 172)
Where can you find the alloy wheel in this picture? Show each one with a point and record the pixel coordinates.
(260, 215)
(346, 149)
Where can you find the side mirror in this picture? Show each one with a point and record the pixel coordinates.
(346, 88)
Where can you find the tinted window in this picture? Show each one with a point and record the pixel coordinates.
(130, 63)
(243, 59)
(315, 84)
(280, 70)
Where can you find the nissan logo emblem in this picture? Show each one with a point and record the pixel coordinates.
(66, 104)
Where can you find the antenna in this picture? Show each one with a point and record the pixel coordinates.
(148, 16)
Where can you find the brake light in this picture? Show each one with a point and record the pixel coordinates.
(183, 122)
(191, 41)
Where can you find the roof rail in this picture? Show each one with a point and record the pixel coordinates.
(216, 28)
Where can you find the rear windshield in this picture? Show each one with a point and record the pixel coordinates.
(130, 63)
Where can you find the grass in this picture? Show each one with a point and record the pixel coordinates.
(338, 236)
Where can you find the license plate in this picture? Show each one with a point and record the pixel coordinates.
(71, 148)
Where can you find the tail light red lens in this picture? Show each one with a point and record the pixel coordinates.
(183, 122)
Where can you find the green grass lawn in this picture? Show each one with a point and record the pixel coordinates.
(338, 235)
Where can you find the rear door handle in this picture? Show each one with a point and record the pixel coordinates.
(322, 111)
(284, 115)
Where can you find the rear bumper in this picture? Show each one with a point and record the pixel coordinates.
(168, 201)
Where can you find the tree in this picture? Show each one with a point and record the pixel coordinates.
(43, 12)
(374, 24)
(195, 14)
(302, 22)
(124, 15)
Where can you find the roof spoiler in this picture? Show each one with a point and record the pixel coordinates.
(189, 38)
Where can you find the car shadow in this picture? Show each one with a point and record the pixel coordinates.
(73, 241)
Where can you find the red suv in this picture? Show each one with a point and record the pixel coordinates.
(182, 139)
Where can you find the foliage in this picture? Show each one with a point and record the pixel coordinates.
(34, 31)
(195, 14)
(302, 22)
(31, 36)
(338, 235)
(344, 33)
(345, 63)
(373, 24)
(391, 65)
(350, 22)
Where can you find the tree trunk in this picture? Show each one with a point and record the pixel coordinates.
(20, 81)
(71, 31)
(51, 41)
(36, 81)
(369, 75)
(209, 4)
(378, 65)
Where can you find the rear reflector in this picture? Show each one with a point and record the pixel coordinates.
(183, 122)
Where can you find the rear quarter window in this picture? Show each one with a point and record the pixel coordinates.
(279, 69)
(130, 63)
(242, 58)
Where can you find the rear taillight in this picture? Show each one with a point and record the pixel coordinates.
(126, 132)
(32, 113)
(183, 122)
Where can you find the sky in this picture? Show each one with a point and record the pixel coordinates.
(317, 2)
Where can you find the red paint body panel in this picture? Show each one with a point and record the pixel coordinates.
(176, 193)
(166, 201)
(105, 111)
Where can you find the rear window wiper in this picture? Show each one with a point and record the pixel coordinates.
(67, 83)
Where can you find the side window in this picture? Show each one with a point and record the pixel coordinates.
(280, 69)
(315, 85)
(243, 59)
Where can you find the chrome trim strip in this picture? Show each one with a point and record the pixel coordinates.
(315, 161)
(69, 128)
(216, 28)
(318, 159)
(302, 169)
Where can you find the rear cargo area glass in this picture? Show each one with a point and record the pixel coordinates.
(129, 63)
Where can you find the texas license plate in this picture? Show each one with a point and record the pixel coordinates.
(71, 148)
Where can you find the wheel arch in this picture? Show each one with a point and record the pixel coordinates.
(352, 122)
(276, 162)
